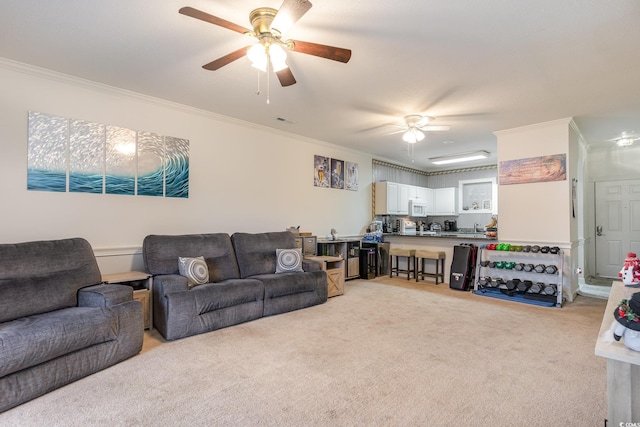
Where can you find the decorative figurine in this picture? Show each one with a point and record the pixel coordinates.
(630, 272)
(628, 316)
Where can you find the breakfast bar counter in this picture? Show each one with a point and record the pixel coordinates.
(436, 242)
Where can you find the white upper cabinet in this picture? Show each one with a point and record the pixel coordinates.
(393, 198)
(425, 195)
(478, 196)
(403, 200)
(445, 201)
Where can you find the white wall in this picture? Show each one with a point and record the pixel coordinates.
(541, 212)
(243, 177)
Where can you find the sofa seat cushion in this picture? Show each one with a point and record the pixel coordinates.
(36, 339)
(233, 292)
(282, 284)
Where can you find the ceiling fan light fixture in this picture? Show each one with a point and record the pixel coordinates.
(278, 57)
(624, 142)
(462, 157)
(413, 135)
(260, 54)
(257, 54)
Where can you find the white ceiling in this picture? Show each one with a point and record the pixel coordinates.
(478, 66)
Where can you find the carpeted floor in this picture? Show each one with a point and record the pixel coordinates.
(387, 353)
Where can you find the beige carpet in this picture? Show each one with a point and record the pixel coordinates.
(387, 353)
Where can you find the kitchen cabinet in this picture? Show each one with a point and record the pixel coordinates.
(393, 198)
(387, 195)
(478, 196)
(425, 195)
(445, 201)
(403, 199)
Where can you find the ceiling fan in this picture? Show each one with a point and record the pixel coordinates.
(625, 139)
(270, 50)
(416, 125)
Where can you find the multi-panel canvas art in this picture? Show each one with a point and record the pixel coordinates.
(334, 173)
(47, 163)
(337, 173)
(321, 171)
(351, 181)
(79, 156)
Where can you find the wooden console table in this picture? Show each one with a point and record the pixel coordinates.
(623, 365)
(334, 266)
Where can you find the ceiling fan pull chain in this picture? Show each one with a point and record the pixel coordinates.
(258, 92)
(268, 71)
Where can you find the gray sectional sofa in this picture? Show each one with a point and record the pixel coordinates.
(243, 284)
(57, 322)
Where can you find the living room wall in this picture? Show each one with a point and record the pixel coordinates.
(243, 177)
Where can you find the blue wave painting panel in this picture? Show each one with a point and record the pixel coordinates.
(47, 152)
(86, 157)
(176, 169)
(120, 164)
(150, 164)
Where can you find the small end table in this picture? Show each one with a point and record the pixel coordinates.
(142, 295)
(334, 266)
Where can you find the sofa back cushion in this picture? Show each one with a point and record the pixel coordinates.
(161, 253)
(42, 276)
(256, 253)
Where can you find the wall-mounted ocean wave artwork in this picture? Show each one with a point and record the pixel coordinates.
(79, 156)
(150, 164)
(86, 157)
(120, 165)
(176, 170)
(47, 163)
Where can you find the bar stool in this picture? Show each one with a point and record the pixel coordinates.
(398, 252)
(421, 257)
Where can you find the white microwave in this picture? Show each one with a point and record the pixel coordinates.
(417, 207)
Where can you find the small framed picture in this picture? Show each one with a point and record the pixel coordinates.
(486, 205)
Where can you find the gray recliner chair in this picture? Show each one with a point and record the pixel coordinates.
(57, 322)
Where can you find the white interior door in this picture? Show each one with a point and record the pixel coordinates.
(617, 224)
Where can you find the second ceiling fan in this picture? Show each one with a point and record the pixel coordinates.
(270, 50)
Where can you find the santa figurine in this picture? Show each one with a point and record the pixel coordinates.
(630, 272)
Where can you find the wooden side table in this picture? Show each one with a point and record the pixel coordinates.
(142, 295)
(334, 266)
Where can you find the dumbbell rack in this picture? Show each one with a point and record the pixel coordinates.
(550, 279)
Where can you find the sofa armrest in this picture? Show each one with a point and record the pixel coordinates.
(167, 283)
(104, 295)
(311, 265)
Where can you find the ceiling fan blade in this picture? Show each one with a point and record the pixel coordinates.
(330, 52)
(286, 77)
(289, 13)
(227, 59)
(204, 16)
(433, 128)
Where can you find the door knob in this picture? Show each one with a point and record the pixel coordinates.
(598, 230)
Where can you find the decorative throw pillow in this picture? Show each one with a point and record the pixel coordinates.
(194, 269)
(289, 260)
